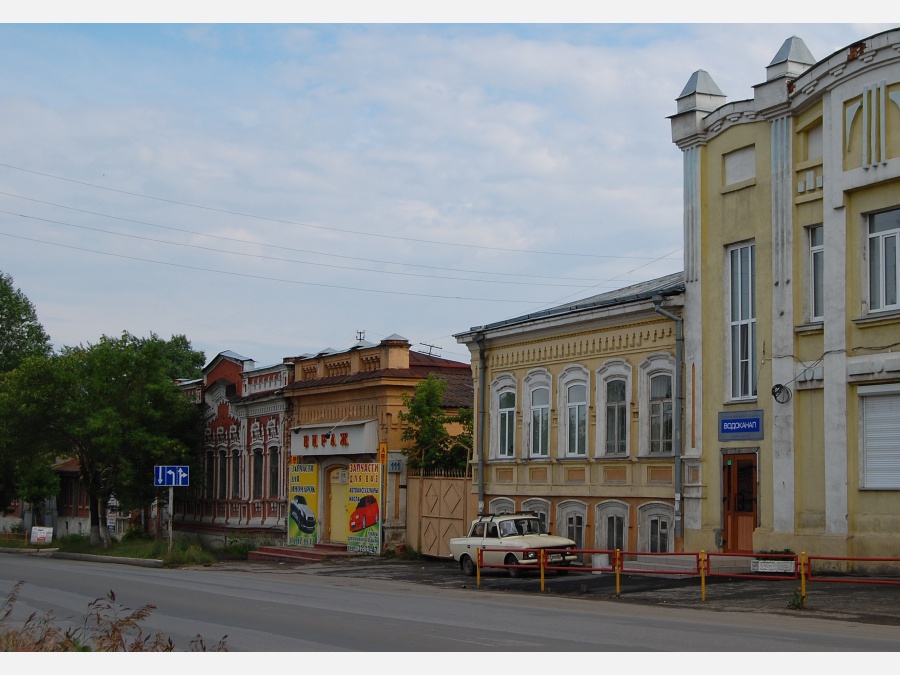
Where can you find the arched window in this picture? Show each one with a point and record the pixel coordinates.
(573, 394)
(616, 421)
(258, 475)
(236, 474)
(210, 474)
(576, 420)
(656, 396)
(660, 414)
(274, 472)
(537, 398)
(541, 507)
(502, 505)
(612, 526)
(614, 408)
(571, 517)
(507, 424)
(655, 527)
(222, 482)
(503, 417)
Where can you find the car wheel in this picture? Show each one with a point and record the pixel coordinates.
(467, 565)
(363, 523)
(514, 571)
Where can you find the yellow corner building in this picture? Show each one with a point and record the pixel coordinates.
(792, 305)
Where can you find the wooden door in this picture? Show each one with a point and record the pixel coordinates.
(739, 502)
(338, 512)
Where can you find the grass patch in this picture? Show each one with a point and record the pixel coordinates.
(184, 551)
(141, 544)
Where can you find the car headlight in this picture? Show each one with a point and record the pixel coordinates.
(530, 555)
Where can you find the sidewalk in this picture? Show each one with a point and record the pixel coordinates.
(855, 602)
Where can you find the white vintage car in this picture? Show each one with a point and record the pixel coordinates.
(497, 534)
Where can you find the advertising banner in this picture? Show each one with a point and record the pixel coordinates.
(41, 535)
(364, 507)
(303, 523)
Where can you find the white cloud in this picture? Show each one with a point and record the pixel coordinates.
(534, 138)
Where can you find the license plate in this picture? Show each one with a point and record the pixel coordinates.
(555, 557)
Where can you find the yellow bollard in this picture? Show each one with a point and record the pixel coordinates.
(541, 560)
(617, 563)
(703, 576)
(477, 568)
(803, 569)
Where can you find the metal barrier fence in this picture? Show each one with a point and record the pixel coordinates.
(14, 536)
(768, 566)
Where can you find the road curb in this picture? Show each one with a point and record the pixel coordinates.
(137, 562)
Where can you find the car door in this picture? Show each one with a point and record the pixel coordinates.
(490, 544)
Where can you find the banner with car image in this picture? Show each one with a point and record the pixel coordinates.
(364, 507)
(304, 502)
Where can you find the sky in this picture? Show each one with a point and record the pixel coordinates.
(277, 188)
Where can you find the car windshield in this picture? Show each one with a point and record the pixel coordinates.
(519, 526)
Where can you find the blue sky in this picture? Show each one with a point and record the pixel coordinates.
(274, 188)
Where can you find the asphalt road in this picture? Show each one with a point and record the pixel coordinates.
(286, 608)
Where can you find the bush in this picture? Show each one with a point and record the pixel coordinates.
(237, 548)
(137, 534)
(107, 627)
(184, 552)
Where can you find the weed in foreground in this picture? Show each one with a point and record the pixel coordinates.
(107, 627)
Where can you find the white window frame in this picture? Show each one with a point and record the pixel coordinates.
(273, 472)
(501, 505)
(570, 376)
(661, 363)
(658, 417)
(604, 511)
(537, 379)
(258, 487)
(616, 369)
(503, 384)
(647, 514)
(541, 507)
(222, 473)
(879, 453)
(816, 274)
(236, 457)
(741, 321)
(877, 276)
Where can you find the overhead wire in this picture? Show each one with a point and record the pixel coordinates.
(290, 248)
(309, 225)
(260, 277)
(277, 259)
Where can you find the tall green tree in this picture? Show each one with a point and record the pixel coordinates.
(428, 427)
(21, 334)
(112, 405)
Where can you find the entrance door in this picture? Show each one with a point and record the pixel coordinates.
(338, 515)
(739, 497)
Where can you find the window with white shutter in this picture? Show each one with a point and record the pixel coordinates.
(881, 437)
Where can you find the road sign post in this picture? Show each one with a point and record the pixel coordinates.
(171, 477)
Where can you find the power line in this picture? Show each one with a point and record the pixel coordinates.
(262, 278)
(299, 224)
(298, 250)
(289, 260)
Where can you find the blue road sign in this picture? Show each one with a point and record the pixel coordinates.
(167, 476)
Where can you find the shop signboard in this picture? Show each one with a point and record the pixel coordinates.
(304, 503)
(364, 507)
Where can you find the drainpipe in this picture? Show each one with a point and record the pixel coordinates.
(676, 414)
(482, 420)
